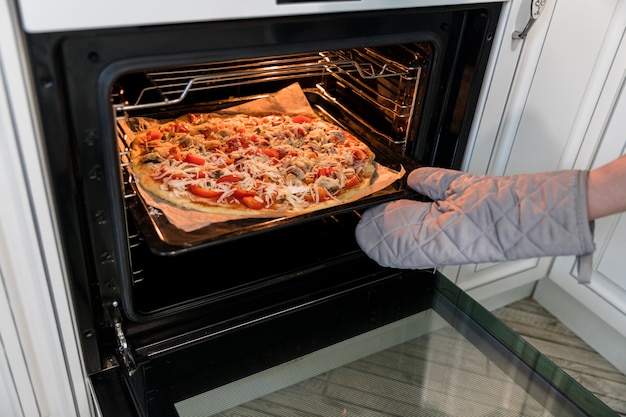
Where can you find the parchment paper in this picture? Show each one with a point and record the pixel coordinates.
(290, 100)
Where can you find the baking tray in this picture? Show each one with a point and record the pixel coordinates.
(164, 238)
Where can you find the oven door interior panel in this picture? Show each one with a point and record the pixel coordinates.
(406, 81)
(230, 351)
(409, 344)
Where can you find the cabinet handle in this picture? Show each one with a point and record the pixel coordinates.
(536, 7)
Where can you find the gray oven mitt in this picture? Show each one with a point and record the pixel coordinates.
(476, 219)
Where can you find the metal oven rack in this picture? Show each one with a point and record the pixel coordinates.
(135, 239)
(345, 79)
(387, 85)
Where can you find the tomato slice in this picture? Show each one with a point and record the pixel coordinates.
(325, 172)
(203, 192)
(194, 159)
(252, 203)
(175, 152)
(301, 119)
(359, 155)
(300, 132)
(352, 181)
(322, 195)
(180, 128)
(272, 153)
(241, 194)
(321, 192)
(150, 136)
(229, 178)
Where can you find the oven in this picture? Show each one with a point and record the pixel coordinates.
(164, 314)
(405, 81)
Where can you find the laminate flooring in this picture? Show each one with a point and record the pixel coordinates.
(422, 378)
(542, 330)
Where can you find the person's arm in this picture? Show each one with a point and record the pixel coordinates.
(606, 189)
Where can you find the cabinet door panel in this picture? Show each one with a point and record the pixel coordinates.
(604, 141)
(612, 262)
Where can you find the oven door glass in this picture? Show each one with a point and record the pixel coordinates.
(410, 345)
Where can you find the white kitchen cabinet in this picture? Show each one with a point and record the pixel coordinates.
(489, 149)
(598, 311)
(572, 117)
(551, 102)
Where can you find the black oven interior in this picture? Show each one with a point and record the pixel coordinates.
(406, 81)
(374, 92)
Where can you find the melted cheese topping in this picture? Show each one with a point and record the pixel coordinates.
(274, 159)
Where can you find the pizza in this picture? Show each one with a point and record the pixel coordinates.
(250, 165)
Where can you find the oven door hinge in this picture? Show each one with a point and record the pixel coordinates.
(124, 351)
(536, 7)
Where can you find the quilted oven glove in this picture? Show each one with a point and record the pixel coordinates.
(475, 219)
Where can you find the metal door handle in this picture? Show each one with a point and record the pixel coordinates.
(536, 7)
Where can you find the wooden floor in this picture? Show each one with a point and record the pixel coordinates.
(570, 353)
(422, 378)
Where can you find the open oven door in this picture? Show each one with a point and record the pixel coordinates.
(409, 343)
(264, 341)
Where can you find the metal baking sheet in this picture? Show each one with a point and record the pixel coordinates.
(164, 238)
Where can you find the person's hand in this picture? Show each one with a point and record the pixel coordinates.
(476, 219)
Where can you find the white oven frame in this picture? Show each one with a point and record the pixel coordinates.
(77, 14)
(41, 368)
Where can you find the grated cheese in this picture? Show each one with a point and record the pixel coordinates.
(281, 161)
